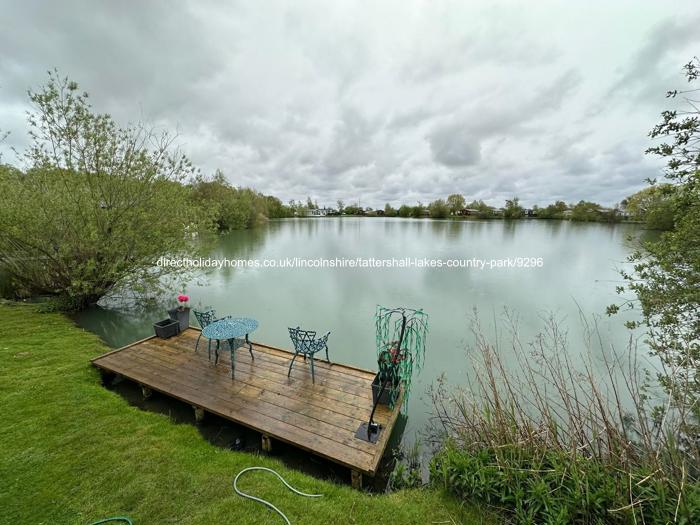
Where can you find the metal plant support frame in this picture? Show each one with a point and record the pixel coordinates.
(400, 338)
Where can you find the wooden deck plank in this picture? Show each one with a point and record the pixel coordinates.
(277, 371)
(282, 396)
(321, 418)
(276, 357)
(234, 393)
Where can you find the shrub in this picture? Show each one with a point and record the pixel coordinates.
(97, 205)
(550, 442)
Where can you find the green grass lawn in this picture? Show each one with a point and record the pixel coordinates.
(73, 452)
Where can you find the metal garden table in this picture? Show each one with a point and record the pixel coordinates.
(231, 330)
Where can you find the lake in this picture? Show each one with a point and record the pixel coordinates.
(578, 273)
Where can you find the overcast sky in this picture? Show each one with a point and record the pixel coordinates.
(373, 101)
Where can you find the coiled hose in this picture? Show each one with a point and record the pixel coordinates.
(267, 503)
(240, 493)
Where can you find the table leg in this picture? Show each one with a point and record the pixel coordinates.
(250, 347)
(216, 352)
(231, 343)
(209, 351)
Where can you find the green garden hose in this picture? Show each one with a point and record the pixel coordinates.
(240, 493)
(267, 503)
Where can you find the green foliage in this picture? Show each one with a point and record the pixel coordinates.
(235, 208)
(484, 211)
(560, 436)
(654, 206)
(553, 211)
(404, 211)
(296, 209)
(310, 204)
(439, 209)
(98, 205)
(417, 211)
(586, 211)
(513, 210)
(407, 471)
(666, 274)
(455, 202)
(389, 211)
(354, 209)
(555, 487)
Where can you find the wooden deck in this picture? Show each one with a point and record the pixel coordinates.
(320, 418)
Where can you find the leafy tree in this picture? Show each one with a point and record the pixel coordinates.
(455, 202)
(438, 209)
(354, 209)
(417, 211)
(610, 214)
(484, 211)
(389, 211)
(585, 211)
(654, 206)
(236, 208)
(98, 204)
(341, 206)
(513, 209)
(553, 211)
(666, 274)
(275, 209)
(405, 211)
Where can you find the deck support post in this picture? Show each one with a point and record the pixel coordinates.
(198, 413)
(266, 443)
(146, 392)
(356, 479)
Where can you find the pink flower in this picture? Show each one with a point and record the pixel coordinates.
(183, 298)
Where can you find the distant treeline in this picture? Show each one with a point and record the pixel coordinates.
(651, 206)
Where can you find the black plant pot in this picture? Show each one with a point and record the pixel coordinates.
(385, 396)
(166, 328)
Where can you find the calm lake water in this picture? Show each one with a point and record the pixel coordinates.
(580, 271)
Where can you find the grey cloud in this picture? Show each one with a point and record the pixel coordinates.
(655, 67)
(391, 102)
(453, 145)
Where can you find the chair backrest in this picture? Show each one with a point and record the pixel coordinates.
(302, 339)
(323, 340)
(205, 318)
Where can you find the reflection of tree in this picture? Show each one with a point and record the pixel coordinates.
(120, 327)
(238, 245)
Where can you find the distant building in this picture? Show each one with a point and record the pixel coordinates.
(320, 212)
(467, 211)
(531, 213)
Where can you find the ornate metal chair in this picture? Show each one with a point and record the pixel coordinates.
(306, 344)
(205, 318)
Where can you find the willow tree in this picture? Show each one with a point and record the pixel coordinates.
(96, 205)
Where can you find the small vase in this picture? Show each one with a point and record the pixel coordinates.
(182, 316)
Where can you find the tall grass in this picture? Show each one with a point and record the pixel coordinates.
(553, 437)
